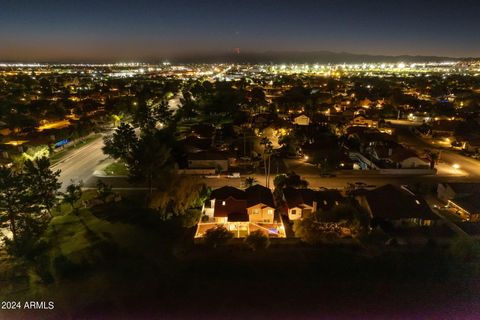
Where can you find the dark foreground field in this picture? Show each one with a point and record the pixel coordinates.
(119, 263)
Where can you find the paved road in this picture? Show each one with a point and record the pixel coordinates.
(468, 166)
(80, 164)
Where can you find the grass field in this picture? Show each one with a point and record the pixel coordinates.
(117, 168)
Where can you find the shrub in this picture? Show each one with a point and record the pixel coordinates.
(217, 236)
(42, 268)
(257, 240)
(191, 218)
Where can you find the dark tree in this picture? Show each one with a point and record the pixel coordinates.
(73, 194)
(42, 183)
(12, 196)
(103, 190)
(121, 144)
(150, 159)
(250, 181)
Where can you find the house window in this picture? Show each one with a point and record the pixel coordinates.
(256, 211)
(294, 212)
(270, 211)
(223, 203)
(324, 202)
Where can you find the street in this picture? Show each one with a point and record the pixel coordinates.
(448, 158)
(80, 164)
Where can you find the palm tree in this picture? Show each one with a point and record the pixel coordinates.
(117, 118)
(267, 148)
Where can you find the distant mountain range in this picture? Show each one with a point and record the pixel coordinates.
(307, 57)
(276, 57)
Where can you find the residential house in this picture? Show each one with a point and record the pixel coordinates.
(471, 144)
(393, 206)
(444, 129)
(363, 121)
(241, 211)
(217, 160)
(368, 136)
(227, 204)
(392, 154)
(365, 103)
(301, 202)
(454, 190)
(302, 120)
(260, 205)
(407, 158)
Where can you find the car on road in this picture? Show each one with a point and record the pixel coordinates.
(327, 175)
(212, 176)
(235, 175)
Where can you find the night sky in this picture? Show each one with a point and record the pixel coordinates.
(144, 29)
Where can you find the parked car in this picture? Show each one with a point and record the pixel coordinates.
(235, 175)
(327, 175)
(211, 176)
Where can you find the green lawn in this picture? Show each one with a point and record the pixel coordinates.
(65, 208)
(88, 256)
(116, 169)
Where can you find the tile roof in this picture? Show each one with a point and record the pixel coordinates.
(259, 194)
(230, 207)
(227, 191)
(394, 203)
(325, 199)
(233, 203)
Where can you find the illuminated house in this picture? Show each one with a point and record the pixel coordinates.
(363, 121)
(302, 120)
(241, 211)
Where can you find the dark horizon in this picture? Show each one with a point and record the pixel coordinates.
(267, 57)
